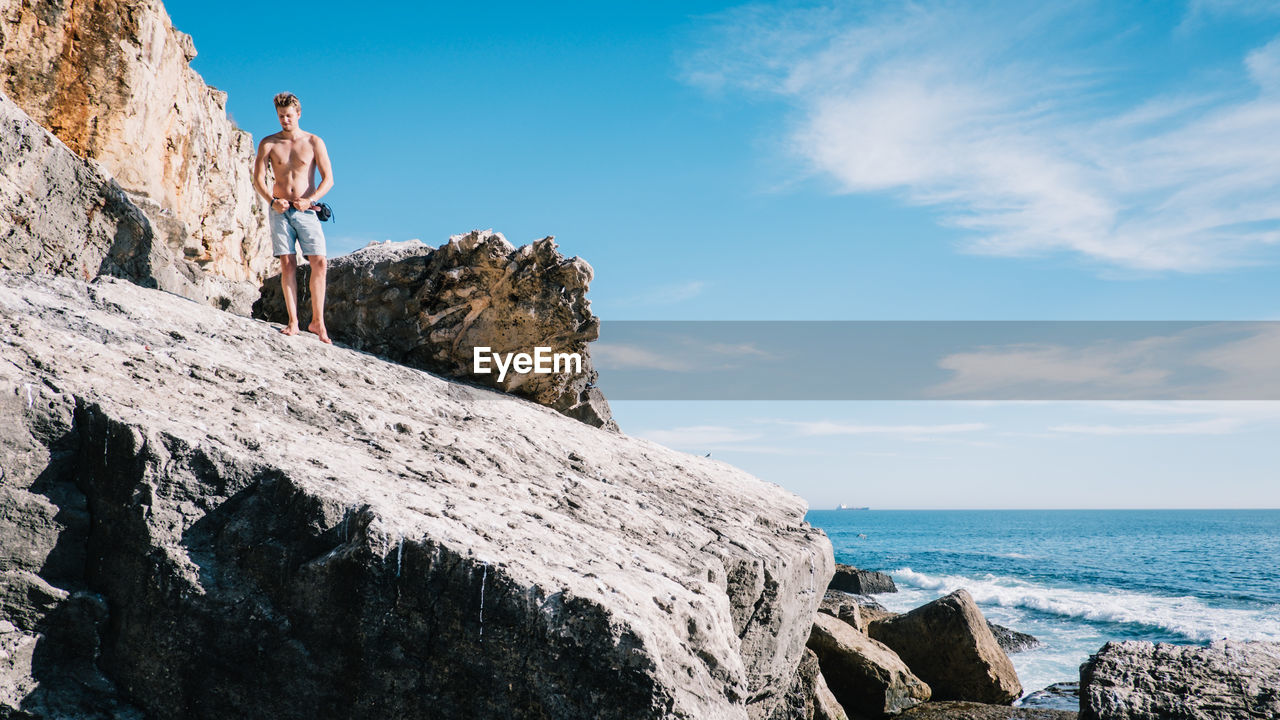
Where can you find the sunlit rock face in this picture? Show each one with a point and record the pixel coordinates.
(112, 80)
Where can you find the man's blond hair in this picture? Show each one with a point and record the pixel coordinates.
(286, 99)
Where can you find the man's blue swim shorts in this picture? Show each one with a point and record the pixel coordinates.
(300, 225)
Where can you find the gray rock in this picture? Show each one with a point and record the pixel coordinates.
(947, 643)
(844, 606)
(809, 698)
(429, 307)
(861, 582)
(255, 526)
(1012, 641)
(1058, 696)
(866, 677)
(60, 214)
(1140, 681)
(959, 710)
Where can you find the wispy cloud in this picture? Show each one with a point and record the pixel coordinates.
(669, 294)
(699, 436)
(823, 427)
(1136, 367)
(619, 356)
(985, 112)
(1213, 426)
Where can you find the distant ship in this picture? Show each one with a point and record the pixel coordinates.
(842, 506)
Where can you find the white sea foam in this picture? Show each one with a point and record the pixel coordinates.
(1188, 617)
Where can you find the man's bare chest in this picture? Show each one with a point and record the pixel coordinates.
(296, 155)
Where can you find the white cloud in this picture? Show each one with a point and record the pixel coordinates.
(699, 436)
(1126, 368)
(823, 427)
(617, 356)
(1213, 426)
(667, 294)
(987, 113)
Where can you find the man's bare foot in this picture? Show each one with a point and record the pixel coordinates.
(289, 330)
(320, 332)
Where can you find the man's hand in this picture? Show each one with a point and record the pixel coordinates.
(303, 204)
(279, 205)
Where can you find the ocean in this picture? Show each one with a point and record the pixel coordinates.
(1077, 579)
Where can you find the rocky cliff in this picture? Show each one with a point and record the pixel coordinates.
(60, 214)
(203, 518)
(430, 307)
(111, 78)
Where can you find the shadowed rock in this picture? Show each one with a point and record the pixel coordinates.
(430, 307)
(865, 676)
(59, 214)
(809, 698)
(947, 643)
(861, 582)
(211, 520)
(1012, 641)
(958, 710)
(1227, 680)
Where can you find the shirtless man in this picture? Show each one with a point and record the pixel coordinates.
(295, 156)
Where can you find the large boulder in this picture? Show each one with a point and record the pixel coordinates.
(60, 214)
(809, 698)
(431, 307)
(948, 644)
(861, 582)
(1228, 680)
(865, 676)
(204, 518)
(112, 79)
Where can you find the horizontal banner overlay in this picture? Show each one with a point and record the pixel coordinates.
(938, 360)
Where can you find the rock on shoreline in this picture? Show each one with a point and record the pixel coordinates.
(861, 582)
(1228, 680)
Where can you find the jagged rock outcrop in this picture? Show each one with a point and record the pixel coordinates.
(866, 677)
(947, 643)
(112, 79)
(1228, 680)
(429, 307)
(59, 214)
(861, 582)
(1012, 641)
(228, 522)
(809, 698)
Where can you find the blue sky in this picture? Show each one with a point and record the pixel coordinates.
(885, 161)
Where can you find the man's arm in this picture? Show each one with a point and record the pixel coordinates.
(260, 172)
(325, 169)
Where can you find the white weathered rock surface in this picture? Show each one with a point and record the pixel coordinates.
(1227, 680)
(112, 79)
(59, 214)
(232, 523)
